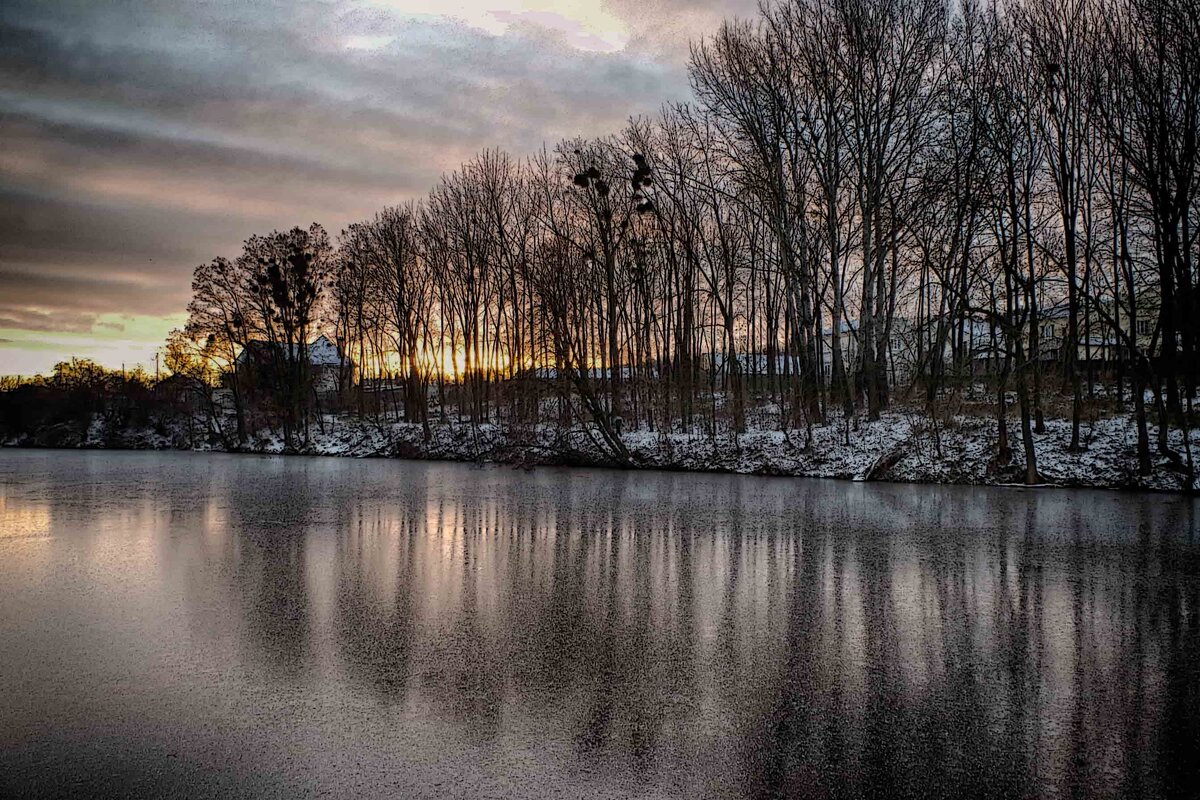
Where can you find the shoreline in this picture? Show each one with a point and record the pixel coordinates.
(895, 449)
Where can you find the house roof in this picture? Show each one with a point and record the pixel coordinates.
(321, 352)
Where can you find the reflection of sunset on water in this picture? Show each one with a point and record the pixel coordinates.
(618, 623)
(23, 520)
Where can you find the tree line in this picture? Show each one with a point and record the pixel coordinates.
(867, 202)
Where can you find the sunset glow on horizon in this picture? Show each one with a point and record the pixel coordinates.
(138, 148)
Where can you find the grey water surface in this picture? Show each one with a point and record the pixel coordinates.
(187, 625)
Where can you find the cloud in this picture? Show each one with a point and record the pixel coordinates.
(141, 139)
(34, 320)
(584, 24)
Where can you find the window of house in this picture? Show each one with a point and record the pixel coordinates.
(1144, 328)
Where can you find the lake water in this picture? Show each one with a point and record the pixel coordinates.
(212, 625)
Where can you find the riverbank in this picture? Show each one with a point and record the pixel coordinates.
(900, 446)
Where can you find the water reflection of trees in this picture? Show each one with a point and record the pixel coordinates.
(989, 716)
(763, 638)
(272, 520)
(375, 624)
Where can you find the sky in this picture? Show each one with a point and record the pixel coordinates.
(140, 139)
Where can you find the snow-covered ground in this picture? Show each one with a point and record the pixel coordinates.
(900, 446)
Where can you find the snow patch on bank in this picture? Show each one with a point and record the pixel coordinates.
(900, 446)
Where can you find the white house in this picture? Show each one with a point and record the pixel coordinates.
(327, 367)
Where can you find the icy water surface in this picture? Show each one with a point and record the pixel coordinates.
(184, 625)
